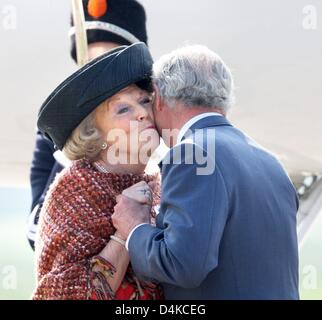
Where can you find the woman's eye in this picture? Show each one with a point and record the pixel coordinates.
(146, 100)
(122, 110)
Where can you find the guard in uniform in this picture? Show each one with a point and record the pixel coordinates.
(108, 23)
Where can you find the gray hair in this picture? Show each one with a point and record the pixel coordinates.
(85, 141)
(195, 76)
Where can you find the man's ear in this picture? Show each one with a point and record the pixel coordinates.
(157, 103)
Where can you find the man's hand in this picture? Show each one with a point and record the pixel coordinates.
(129, 213)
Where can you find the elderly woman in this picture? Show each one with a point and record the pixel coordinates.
(99, 117)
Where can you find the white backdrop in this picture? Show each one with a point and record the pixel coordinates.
(274, 49)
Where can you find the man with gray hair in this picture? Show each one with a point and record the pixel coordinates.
(229, 233)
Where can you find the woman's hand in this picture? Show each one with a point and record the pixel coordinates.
(141, 192)
(133, 208)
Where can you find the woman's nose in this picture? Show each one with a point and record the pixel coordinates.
(143, 114)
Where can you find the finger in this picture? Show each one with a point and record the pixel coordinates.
(118, 198)
(139, 184)
(152, 185)
(136, 195)
(126, 199)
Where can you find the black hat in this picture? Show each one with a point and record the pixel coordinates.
(75, 98)
(119, 21)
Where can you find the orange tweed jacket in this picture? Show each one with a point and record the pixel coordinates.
(74, 226)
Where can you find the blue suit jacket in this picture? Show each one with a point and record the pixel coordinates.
(230, 234)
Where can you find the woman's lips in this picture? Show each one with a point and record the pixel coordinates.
(150, 127)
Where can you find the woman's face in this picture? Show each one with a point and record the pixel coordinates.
(127, 125)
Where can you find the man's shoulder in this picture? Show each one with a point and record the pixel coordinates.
(193, 153)
(182, 153)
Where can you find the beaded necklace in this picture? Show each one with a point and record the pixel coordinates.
(100, 167)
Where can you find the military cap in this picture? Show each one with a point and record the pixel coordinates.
(119, 21)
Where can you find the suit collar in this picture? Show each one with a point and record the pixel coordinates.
(209, 120)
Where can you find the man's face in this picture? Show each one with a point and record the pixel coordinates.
(156, 116)
(163, 120)
(160, 113)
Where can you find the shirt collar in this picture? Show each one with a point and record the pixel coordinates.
(192, 121)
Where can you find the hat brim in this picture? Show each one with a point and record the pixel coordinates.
(76, 97)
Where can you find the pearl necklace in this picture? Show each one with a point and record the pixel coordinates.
(100, 167)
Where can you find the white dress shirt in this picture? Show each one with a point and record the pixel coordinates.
(192, 121)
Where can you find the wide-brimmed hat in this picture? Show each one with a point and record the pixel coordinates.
(119, 21)
(76, 97)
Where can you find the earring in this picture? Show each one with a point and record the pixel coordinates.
(104, 145)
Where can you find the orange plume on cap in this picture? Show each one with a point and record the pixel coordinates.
(97, 8)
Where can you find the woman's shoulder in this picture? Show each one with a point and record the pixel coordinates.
(79, 178)
(76, 193)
